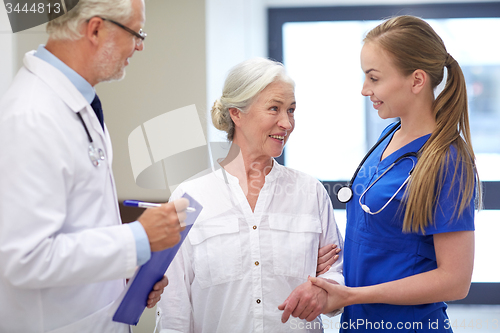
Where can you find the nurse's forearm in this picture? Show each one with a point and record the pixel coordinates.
(450, 281)
(429, 287)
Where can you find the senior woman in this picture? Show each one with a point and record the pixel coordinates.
(257, 239)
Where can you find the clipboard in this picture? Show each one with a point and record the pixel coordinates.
(133, 300)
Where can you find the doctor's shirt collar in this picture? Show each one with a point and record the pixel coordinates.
(79, 82)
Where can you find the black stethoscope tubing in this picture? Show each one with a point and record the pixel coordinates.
(345, 192)
(85, 126)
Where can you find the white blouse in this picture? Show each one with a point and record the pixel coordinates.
(236, 266)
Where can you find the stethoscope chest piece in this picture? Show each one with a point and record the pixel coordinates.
(344, 194)
(96, 155)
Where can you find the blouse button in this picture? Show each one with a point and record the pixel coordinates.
(254, 227)
(256, 263)
(258, 301)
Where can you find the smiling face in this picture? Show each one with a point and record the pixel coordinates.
(264, 128)
(388, 89)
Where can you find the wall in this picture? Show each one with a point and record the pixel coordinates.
(235, 31)
(167, 75)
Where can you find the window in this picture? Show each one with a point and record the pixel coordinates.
(326, 54)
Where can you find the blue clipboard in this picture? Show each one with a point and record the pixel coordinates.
(135, 296)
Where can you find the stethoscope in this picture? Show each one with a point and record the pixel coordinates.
(407, 155)
(345, 193)
(96, 155)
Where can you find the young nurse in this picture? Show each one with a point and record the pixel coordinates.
(405, 256)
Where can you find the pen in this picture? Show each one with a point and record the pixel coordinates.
(143, 204)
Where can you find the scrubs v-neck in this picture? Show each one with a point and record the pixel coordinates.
(377, 251)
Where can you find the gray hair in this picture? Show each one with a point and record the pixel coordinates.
(243, 83)
(67, 26)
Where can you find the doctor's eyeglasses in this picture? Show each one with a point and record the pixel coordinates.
(139, 37)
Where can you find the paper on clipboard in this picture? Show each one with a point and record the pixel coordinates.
(132, 302)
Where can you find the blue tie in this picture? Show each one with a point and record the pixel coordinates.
(96, 105)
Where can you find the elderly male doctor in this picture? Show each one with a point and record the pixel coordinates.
(64, 253)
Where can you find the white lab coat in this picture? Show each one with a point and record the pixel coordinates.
(63, 250)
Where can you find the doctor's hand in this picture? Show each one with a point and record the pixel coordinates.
(155, 295)
(306, 301)
(163, 224)
(327, 256)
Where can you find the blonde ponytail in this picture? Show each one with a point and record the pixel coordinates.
(402, 36)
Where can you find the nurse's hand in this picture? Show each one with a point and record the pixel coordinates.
(327, 256)
(338, 295)
(163, 224)
(306, 301)
(155, 295)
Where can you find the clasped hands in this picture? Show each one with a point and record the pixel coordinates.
(312, 298)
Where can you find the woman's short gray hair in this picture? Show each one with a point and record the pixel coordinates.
(243, 83)
(67, 26)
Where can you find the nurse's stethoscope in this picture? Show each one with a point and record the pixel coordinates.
(345, 192)
(96, 155)
(407, 155)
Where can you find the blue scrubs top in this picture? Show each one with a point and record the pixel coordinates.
(377, 251)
